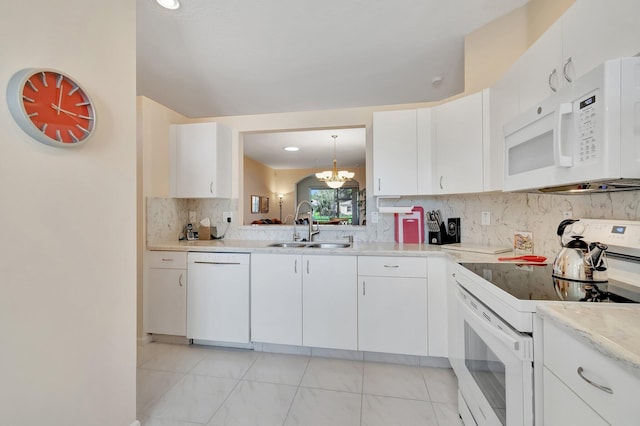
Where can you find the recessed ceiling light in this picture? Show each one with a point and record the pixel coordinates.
(169, 4)
(291, 148)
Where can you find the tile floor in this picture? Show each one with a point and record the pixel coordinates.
(181, 385)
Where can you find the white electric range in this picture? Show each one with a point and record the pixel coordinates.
(492, 307)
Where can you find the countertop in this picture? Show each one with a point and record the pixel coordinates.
(612, 329)
(358, 248)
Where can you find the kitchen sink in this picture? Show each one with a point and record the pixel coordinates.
(329, 245)
(291, 244)
(295, 244)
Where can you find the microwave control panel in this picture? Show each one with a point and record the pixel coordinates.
(587, 128)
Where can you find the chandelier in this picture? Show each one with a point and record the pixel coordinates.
(334, 178)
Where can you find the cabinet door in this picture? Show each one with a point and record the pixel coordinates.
(426, 160)
(541, 66)
(167, 302)
(437, 321)
(594, 31)
(504, 106)
(394, 153)
(392, 315)
(200, 161)
(276, 298)
(459, 145)
(330, 302)
(563, 407)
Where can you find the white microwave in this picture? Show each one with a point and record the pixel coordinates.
(584, 137)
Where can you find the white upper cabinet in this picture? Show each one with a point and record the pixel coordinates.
(200, 158)
(594, 31)
(504, 106)
(541, 68)
(589, 33)
(461, 127)
(402, 152)
(395, 144)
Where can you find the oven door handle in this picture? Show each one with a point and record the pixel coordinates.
(512, 343)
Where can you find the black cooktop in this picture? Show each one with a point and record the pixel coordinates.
(534, 282)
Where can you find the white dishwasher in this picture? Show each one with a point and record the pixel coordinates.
(218, 297)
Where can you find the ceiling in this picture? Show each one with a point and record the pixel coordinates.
(215, 58)
(316, 148)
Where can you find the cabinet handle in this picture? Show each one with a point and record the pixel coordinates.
(167, 260)
(180, 280)
(391, 266)
(453, 274)
(211, 187)
(554, 72)
(364, 288)
(295, 266)
(307, 266)
(564, 70)
(602, 388)
(378, 184)
(441, 182)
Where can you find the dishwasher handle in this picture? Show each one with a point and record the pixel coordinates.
(202, 262)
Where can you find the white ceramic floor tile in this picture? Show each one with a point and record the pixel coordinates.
(276, 368)
(441, 384)
(447, 414)
(194, 399)
(254, 403)
(321, 407)
(401, 381)
(334, 374)
(230, 364)
(178, 360)
(167, 422)
(385, 411)
(151, 385)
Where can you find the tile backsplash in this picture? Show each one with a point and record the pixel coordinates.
(538, 213)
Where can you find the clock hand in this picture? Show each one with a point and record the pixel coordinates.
(59, 97)
(57, 108)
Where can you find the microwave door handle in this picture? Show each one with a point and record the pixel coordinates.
(562, 160)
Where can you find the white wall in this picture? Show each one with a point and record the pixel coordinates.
(68, 261)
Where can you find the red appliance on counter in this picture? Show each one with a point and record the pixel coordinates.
(409, 227)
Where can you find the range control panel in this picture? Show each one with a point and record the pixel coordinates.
(623, 236)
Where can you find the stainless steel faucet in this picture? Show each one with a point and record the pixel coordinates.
(312, 231)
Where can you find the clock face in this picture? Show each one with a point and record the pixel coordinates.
(51, 107)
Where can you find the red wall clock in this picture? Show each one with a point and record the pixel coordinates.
(51, 107)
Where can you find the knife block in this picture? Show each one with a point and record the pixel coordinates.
(439, 234)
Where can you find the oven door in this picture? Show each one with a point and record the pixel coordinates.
(495, 372)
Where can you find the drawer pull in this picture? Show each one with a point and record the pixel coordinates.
(164, 259)
(391, 266)
(602, 388)
(180, 280)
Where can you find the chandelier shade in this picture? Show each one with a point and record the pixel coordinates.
(334, 178)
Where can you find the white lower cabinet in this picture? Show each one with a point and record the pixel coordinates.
(276, 298)
(166, 293)
(563, 407)
(583, 386)
(392, 305)
(330, 302)
(304, 300)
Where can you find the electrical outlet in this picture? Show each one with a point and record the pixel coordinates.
(374, 217)
(227, 216)
(486, 218)
(192, 217)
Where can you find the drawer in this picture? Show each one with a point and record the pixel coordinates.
(390, 266)
(167, 259)
(564, 355)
